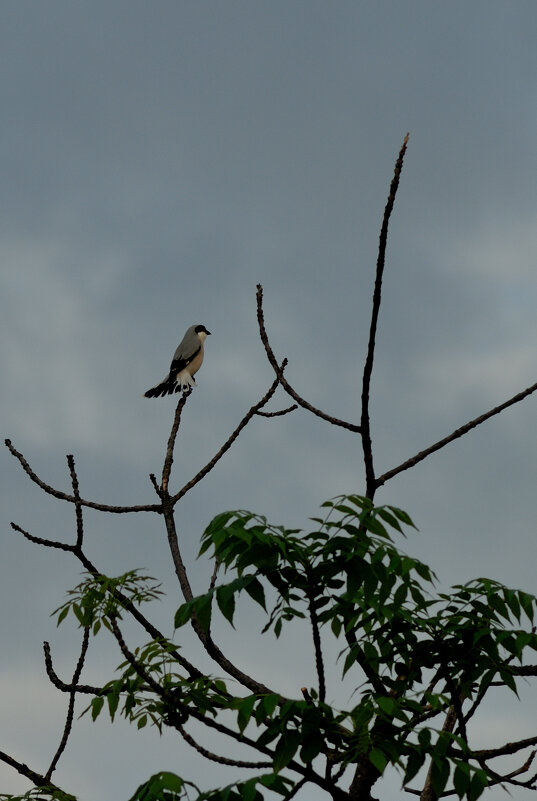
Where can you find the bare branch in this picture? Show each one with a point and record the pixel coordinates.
(37, 779)
(71, 707)
(171, 443)
(319, 663)
(67, 688)
(283, 381)
(237, 763)
(62, 546)
(64, 496)
(377, 295)
(459, 432)
(78, 507)
(210, 646)
(508, 748)
(231, 439)
(280, 413)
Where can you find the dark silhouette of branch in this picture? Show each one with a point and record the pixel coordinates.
(36, 778)
(298, 786)
(283, 381)
(168, 461)
(86, 689)
(510, 777)
(280, 413)
(154, 633)
(508, 748)
(377, 295)
(64, 496)
(459, 432)
(230, 440)
(428, 793)
(206, 640)
(312, 610)
(307, 771)
(237, 763)
(62, 546)
(78, 507)
(71, 707)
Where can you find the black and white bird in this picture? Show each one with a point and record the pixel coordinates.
(185, 364)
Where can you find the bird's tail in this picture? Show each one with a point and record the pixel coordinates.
(166, 387)
(172, 383)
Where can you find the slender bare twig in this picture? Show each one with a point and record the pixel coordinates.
(168, 461)
(84, 689)
(78, 507)
(62, 546)
(283, 381)
(237, 763)
(71, 707)
(64, 496)
(298, 786)
(36, 778)
(230, 440)
(509, 778)
(459, 432)
(508, 748)
(312, 610)
(377, 295)
(206, 640)
(280, 413)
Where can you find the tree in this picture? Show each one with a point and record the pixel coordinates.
(422, 661)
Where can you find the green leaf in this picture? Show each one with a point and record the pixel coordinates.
(270, 702)
(439, 773)
(96, 706)
(461, 779)
(245, 711)
(225, 599)
(286, 748)
(162, 786)
(255, 590)
(113, 701)
(378, 759)
(478, 783)
(62, 615)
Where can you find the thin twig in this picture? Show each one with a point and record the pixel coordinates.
(71, 707)
(319, 663)
(206, 640)
(62, 546)
(280, 413)
(36, 778)
(377, 295)
(236, 763)
(64, 496)
(168, 461)
(459, 432)
(298, 786)
(230, 440)
(86, 689)
(78, 507)
(283, 381)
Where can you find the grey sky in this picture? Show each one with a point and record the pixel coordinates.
(158, 160)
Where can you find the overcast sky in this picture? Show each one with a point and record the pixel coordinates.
(161, 159)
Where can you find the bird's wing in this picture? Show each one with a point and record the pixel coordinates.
(187, 350)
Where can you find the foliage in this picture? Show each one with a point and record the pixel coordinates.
(414, 653)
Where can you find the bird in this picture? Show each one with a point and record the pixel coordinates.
(186, 362)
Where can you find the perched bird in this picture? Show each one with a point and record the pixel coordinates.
(186, 362)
